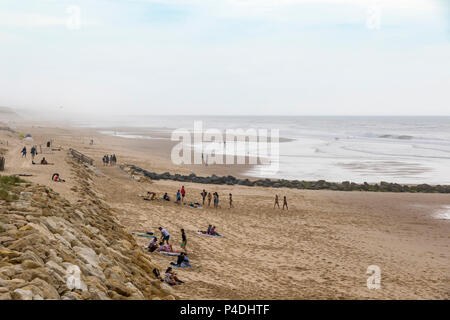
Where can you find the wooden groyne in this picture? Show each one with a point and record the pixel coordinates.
(81, 157)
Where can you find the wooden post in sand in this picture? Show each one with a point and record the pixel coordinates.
(2, 163)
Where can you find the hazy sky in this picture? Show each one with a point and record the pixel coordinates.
(303, 57)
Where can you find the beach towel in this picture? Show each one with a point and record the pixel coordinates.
(170, 253)
(195, 205)
(146, 235)
(209, 235)
(179, 266)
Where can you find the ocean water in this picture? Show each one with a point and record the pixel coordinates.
(408, 150)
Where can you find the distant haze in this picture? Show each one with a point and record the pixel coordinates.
(227, 57)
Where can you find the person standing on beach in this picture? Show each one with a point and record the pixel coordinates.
(285, 203)
(183, 193)
(24, 152)
(33, 152)
(203, 196)
(165, 235)
(216, 200)
(178, 198)
(231, 201)
(276, 202)
(209, 199)
(183, 240)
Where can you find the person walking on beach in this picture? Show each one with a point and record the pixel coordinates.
(183, 193)
(209, 199)
(276, 202)
(33, 152)
(183, 240)
(165, 235)
(231, 201)
(178, 198)
(203, 196)
(24, 152)
(285, 203)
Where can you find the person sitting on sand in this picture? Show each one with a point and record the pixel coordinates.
(171, 278)
(209, 229)
(43, 161)
(213, 231)
(153, 245)
(182, 261)
(166, 197)
(285, 203)
(165, 248)
(150, 196)
(57, 178)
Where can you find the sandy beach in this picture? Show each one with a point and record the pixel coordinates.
(319, 249)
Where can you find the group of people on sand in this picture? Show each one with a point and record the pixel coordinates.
(278, 204)
(208, 196)
(181, 196)
(34, 153)
(109, 160)
(165, 246)
(210, 231)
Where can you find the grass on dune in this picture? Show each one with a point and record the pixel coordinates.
(6, 183)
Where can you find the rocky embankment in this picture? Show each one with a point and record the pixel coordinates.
(47, 244)
(296, 184)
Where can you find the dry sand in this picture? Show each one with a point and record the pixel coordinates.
(319, 249)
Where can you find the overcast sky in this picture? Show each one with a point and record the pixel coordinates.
(292, 57)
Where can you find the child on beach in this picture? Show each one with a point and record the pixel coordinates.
(209, 199)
